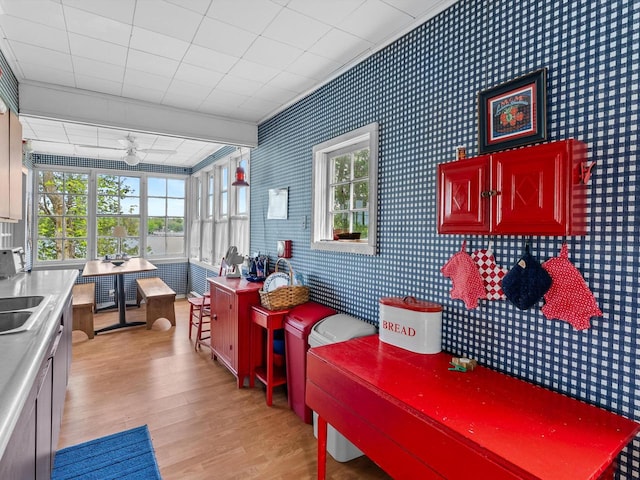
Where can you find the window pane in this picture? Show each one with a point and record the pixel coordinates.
(156, 245)
(76, 248)
(341, 169)
(76, 227)
(175, 245)
(224, 205)
(108, 184)
(175, 225)
(361, 224)
(51, 204)
(156, 187)
(157, 207)
(130, 206)
(76, 204)
(49, 250)
(130, 186)
(341, 197)
(175, 207)
(175, 188)
(105, 226)
(131, 246)
(224, 178)
(361, 164)
(242, 201)
(49, 227)
(108, 205)
(361, 194)
(341, 222)
(156, 225)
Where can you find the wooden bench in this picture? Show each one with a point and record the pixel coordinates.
(84, 304)
(159, 299)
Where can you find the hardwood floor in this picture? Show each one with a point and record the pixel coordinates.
(202, 426)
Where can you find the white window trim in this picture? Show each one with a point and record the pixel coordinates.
(321, 231)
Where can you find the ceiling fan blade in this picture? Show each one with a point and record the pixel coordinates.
(157, 150)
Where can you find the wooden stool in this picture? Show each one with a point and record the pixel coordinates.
(160, 299)
(270, 374)
(84, 304)
(199, 309)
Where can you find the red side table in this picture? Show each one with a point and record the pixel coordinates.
(269, 374)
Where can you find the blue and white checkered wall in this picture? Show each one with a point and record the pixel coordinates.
(422, 90)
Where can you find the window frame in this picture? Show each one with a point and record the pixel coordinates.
(92, 215)
(321, 227)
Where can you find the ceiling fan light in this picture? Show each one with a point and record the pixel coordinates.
(131, 159)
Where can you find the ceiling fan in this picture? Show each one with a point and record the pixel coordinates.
(129, 147)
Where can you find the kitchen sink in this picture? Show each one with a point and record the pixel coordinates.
(13, 320)
(9, 304)
(18, 314)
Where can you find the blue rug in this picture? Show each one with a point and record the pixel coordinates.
(124, 455)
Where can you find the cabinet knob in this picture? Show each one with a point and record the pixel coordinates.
(489, 193)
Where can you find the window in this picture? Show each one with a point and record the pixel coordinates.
(227, 207)
(165, 216)
(62, 216)
(345, 192)
(118, 203)
(77, 213)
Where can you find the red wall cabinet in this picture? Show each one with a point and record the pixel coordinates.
(530, 191)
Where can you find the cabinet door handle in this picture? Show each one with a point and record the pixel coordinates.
(489, 193)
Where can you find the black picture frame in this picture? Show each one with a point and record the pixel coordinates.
(513, 113)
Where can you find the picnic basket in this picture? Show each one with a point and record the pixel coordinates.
(285, 297)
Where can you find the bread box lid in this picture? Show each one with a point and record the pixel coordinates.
(411, 303)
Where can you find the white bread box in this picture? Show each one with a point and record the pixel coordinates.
(414, 325)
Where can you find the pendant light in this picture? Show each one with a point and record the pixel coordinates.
(240, 175)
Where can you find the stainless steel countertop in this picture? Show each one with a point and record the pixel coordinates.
(22, 353)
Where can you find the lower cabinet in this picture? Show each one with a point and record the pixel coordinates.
(231, 302)
(32, 445)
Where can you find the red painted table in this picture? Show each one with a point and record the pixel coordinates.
(416, 419)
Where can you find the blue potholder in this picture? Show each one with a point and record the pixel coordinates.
(526, 282)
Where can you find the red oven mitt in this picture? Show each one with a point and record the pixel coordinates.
(569, 297)
(526, 282)
(467, 282)
(490, 272)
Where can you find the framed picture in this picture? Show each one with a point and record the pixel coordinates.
(278, 203)
(513, 113)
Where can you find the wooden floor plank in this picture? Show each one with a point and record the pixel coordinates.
(202, 426)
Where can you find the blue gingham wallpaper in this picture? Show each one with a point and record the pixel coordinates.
(422, 90)
(8, 85)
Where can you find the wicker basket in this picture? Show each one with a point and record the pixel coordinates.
(283, 298)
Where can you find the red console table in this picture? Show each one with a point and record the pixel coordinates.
(416, 419)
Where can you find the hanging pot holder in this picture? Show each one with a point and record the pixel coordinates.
(569, 297)
(526, 282)
(467, 282)
(491, 273)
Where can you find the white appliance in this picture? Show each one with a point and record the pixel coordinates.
(11, 261)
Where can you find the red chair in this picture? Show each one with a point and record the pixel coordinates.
(200, 318)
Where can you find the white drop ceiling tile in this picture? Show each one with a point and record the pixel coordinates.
(96, 84)
(256, 14)
(30, 54)
(313, 66)
(197, 75)
(80, 129)
(223, 38)
(382, 21)
(17, 29)
(79, 140)
(272, 53)
(142, 92)
(168, 143)
(167, 18)
(275, 94)
(293, 82)
(180, 100)
(241, 86)
(34, 71)
(253, 71)
(340, 46)
(37, 11)
(95, 26)
(295, 29)
(158, 44)
(118, 10)
(181, 87)
(94, 68)
(420, 8)
(151, 63)
(199, 6)
(210, 59)
(93, 48)
(330, 12)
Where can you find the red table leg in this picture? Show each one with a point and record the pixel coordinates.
(322, 448)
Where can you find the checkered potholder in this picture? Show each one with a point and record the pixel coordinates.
(490, 272)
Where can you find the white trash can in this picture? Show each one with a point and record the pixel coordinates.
(334, 329)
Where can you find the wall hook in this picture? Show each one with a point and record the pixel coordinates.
(585, 172)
